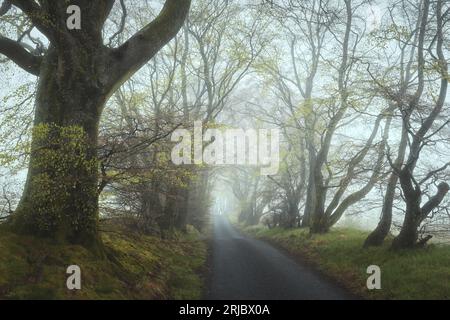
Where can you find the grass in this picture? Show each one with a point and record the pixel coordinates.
(135, 267)
(410, 274)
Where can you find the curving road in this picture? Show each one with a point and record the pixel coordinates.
(246, 268)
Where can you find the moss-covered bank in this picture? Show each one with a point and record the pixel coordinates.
(136, 266)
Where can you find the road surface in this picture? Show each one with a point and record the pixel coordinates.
(250, 269)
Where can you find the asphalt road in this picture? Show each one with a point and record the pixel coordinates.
(244, 268)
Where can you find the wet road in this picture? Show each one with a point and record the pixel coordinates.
(246, 268)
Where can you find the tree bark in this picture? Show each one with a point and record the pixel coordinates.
(320, 220)
(407, 238)
(60, 198)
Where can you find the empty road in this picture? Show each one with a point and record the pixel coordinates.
(246, 268)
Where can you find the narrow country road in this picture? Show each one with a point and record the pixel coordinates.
(246, 268)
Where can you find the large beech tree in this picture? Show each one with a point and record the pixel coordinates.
(77, 74)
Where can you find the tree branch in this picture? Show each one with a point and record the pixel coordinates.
(435, 200)
(17, 53)
(36, 15)
(140, 48)
(122, 22)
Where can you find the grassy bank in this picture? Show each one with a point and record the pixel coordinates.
(135, 267)
(411, 274)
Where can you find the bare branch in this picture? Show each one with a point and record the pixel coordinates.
(140, 48)
(122, 21)
(35, 13)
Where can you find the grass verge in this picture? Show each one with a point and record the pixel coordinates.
(136, 267)
(410, 274)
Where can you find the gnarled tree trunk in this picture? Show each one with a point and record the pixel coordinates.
(415, 215)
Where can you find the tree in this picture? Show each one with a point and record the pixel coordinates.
(416, 212)
(325, 41)
(193, 78)
(414, 80)
(292, 181)
(251, 194)
(223, 39)
(306, 24)
(407, 44)
(77, 75)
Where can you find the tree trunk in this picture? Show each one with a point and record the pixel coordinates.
(415, 215)
(291, 216)
(407, 238)
(182, 217)
(60, 199)
(310, 193)
(150, 207)
(320, 219)
(168, 220)
(377, 236)
(291, 213)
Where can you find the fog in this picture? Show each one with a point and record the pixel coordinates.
(320, 77)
